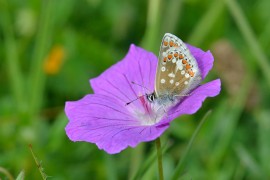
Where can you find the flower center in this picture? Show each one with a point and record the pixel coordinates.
(149, 113)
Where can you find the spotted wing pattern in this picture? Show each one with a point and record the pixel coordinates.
(177, 71)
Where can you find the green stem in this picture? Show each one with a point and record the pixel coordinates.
(149, 161)
(159, 156)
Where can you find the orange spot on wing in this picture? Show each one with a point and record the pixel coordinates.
(188, 66)
(165, 43)
(171, 43)
(175, 54)
(169, 56)
(191, 73)
(165, 59)
(181, 56)
(184, 61)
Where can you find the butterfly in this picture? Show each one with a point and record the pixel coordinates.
(177, 72)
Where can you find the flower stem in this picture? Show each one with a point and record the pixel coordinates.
(159, 156)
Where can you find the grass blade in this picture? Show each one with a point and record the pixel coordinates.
(250, 38)
(179, 166)
(6, 173)
(249, 161)
(12, 60)
(21, 175)
(40, 168)
(206, 23)
(37, 76)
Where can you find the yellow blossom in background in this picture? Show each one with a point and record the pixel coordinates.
(54, 60)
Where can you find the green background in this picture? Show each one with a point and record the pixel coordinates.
(232, 141)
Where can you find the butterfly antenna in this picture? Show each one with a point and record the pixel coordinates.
(135, 99)
(140, 86)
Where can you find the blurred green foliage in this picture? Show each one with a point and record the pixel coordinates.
(94, 34)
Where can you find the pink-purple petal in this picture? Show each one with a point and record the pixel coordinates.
(138, 66)
(102, 120)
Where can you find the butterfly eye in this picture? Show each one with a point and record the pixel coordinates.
(151, 97)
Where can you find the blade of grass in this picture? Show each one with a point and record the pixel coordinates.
(171, 18)
(110, 167)
(239, 171)
(248, 161)
(262, 117)
(153, 27)
(21, 175)
(249, 37)
(6, 173)
(40, 168)
(179, 166)
(264, 38)
(37, 76)
(136, 157)
(12, 60)
(229, 121)
(206, 23)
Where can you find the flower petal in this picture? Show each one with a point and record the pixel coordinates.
(139, 66)
(205, 59)
(192, 103)
(104, 121)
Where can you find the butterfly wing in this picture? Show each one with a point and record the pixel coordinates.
(177, 71)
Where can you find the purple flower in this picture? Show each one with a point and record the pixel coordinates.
(104, 118)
